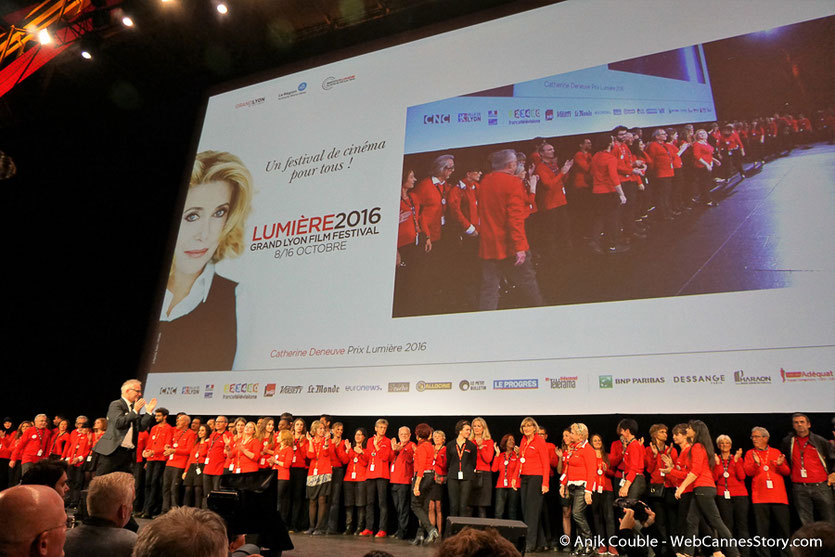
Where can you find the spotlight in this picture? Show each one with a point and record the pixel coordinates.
(86, 55)
(222, 9)
(127, 21)
(44, 37)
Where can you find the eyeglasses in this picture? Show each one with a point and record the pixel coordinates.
(449, 168)
(136, 390)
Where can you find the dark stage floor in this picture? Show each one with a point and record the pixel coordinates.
(769, 231)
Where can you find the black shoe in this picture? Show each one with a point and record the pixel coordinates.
(433, 535)
(417, 541)
(348, 532)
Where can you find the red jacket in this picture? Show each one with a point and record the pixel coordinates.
(463, 205)
(580, 466)
(299, 453)
(604, 475)
(77, 449)
(319, 456)
(6, 444)
(484, 457)
(378, 458)
(215, 456)
(624, 158)
(440, 461)
(502, 212)
(339, 457)
(160, 437)
(431, 199)
(700, 465)
(241, 463)
(660, 160)
(581, 171)
(507, 465)
(604, 173)
(734, 483)
(633, 460)
(533, 459)
(141, 443)
(407, 231)
(654, 464)
(32, 446)
(403, 466)
(198, 454)
(763, 473)
(283, 459)
(357, 466)
(681, 469)
(59, 442)
(702, 151)
(551, 188)
(182, 440)
(424, 456)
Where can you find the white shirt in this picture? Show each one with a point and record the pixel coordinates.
(196, 296)
(127, 442)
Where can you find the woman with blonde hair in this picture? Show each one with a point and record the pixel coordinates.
(482, 490)
(198, 322)
(534, 475)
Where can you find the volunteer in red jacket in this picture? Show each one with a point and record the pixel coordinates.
(377, 478)
(702, 460)
(155, 460)
(704, 161)
(603, 497)
(504, 246)
(298, 478)
(430, 195)
(193, 473)
(213, 463)
(436, 493)
(552, 205)
(506, 466)
(676, 471)
(534, 471)
(731, 493)
(608, 196)
(402, 471)
(60, 437)
(319, 476)
(32, 447)
(7, 437)
(354, 485)
(813, 471)
(424, 479)
(408, 249)
(579, 191)
(661, 497)
(75, 453)
(662, 172)
(633, 484)
(281, 462)
(481, 495)
(579, 480)
(176, 454)
(767, 466)
(338, 461)
(246, 451)
(464, 272)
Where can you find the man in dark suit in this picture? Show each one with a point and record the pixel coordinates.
(109, 504)
(117, 446)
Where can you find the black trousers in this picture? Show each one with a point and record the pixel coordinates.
(734, 513)
(704, 506)
(531, 489)
(420, 503)
(604, 514)
(153, 486)
(507, 503)
(334, 501)
(210, 483)
(459, 496)
(298, 514)
(172, 480)
(772, 520)
(400, 494)
(120, 460)
(377, 492)
(577, 494)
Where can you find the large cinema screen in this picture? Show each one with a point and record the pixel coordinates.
(285, 290)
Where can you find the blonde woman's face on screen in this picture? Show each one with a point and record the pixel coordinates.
(204, 216)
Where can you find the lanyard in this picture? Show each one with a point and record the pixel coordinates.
(414, 217)
(215, 440)
(802, 450)
(726, 464)
(764, 462)
(460, 451)
(41, 443)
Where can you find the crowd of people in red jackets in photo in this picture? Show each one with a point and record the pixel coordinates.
(467, 237)
(329, 480)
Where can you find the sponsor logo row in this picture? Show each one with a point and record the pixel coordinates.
(327, 84)
(518, 116)
(604, 381)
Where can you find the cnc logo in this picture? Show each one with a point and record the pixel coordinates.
(512, 384)
(399, 387)
(436, 119)
(269, 390)
(605, 381)
(168, 390)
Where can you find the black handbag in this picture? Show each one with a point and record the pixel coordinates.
(656, 491)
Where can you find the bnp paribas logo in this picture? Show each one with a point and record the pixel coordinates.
(605, 381)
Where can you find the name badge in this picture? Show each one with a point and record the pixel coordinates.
(371, 468)
(727, 494)
(198, 471)
(353, 475)
(769, 484)
(263, 461)
(315, 471)
(460, 474)
(40, 452)
(600, 489)
(505, 482)
(90, 458)
(622, 482)
(171, 457)
(207, 461)
(231, 467)
(237, 470)
(802, 472)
